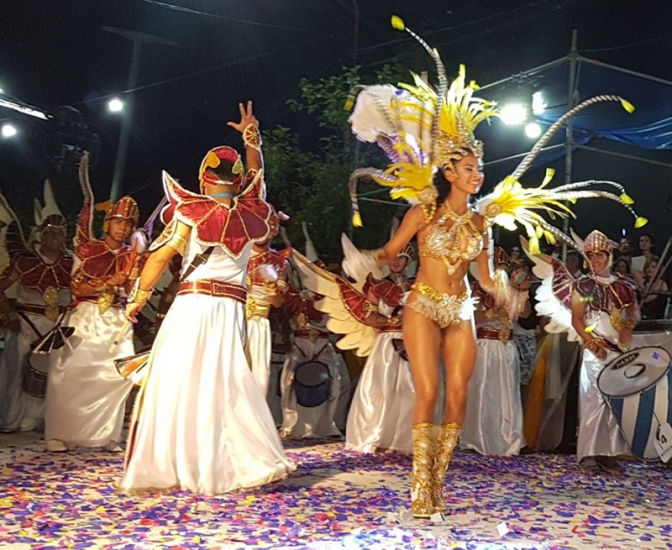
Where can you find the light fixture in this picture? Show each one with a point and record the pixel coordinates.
(513, 114)
(8, 130)
(115, 105)
(532, 130)
(23, 108)
(538, 102)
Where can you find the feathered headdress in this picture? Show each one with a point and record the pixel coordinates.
(420, 129)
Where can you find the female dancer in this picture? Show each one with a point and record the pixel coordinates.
(428, 135)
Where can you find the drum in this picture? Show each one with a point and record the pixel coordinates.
(312, 383)
(35, 375)
(638, 387)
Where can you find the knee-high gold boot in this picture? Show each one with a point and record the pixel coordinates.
(424, 445)
(445, 445)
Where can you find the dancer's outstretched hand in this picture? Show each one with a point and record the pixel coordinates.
(246, 118)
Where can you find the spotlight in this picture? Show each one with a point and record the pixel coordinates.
(532, 130)
(538, 103)
(513, 114)
(8, 131)
(115, 105)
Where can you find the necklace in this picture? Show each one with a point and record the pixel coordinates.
(222, 195)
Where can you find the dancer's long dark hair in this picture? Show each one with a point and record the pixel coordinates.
(442, 186)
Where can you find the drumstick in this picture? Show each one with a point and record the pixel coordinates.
(120, 336)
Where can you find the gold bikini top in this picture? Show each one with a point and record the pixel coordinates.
(454, 246)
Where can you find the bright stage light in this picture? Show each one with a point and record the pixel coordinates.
(8, 131)
(513, 114)
(532, 130)
(538, 103)
(115, 105)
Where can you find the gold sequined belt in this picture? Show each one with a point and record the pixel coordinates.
(254, 308)
(217, 289)
(503, 335)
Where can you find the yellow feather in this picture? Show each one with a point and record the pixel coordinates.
(640, 222)
(398, 23)
(627, 199)
(629, 107)
(357, 220)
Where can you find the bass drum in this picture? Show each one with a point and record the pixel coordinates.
(312, 383)
(638, 387)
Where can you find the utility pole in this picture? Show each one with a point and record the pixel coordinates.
(138, 39)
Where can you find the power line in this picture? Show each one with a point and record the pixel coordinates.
(650, 40)
(232, 19)
(204, 71)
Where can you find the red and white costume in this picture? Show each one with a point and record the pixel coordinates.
(266, 276)
(382, 407)
(86, 396)
(43, 295)
(201, 422)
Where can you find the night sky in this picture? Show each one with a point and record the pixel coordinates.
(55, 53)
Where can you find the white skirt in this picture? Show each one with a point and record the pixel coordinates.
(382, 409)
(258, 350)
(85, 402)
(493, 424)
(201, 422)
(599, 433)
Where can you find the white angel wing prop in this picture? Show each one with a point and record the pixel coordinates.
(554, 293)
(357, 264)
(344, 304)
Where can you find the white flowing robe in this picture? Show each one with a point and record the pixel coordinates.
(201, 422)
(493, 424)
(15, 404)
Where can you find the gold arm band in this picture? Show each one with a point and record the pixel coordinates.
(178, 243)
(252, 136)
(138, 295)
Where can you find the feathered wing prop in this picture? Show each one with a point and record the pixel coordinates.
(13, 240)
(343, 303)
(554, 295)
(84, 232)
(357, 264)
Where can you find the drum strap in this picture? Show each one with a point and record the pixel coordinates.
(30, 324)
(315, 355)
(199, 259)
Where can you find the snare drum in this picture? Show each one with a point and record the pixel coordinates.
(312, 383)
(638, 385)
(35, 375)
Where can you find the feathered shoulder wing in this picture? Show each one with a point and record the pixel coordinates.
(346, 306)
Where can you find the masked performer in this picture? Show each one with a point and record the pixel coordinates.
(200, 421)
(43, 276)
(493, 424)
(85, 394)
(266, 283)
(436, 164)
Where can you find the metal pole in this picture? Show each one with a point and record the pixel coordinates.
(125, 131)
(569, 137)
(138, 39)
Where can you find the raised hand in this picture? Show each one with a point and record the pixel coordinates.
(246, 118)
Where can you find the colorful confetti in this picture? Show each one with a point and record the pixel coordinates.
(336, 499)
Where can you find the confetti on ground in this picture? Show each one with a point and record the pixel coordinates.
(335, 499)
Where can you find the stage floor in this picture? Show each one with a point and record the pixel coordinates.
(335, 499)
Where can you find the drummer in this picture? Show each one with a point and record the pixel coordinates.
(604, 313)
